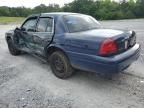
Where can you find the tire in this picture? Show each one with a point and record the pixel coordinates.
(12, 49)
(60, 65)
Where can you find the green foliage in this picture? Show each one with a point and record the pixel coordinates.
(43, 8)
(100, 9)
(108, 9)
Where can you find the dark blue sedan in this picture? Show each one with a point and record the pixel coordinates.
(74, 41)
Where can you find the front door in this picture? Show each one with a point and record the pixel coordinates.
(25, 34)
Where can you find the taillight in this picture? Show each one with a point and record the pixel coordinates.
(108, 46)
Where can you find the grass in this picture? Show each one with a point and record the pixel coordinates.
(6, 20)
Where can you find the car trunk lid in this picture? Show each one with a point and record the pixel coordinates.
(124, 39)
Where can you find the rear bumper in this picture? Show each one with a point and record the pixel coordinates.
(99, 64)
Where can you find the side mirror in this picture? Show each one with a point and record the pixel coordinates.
(23, 29)
(17, 28)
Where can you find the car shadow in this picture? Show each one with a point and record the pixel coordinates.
(79, 74)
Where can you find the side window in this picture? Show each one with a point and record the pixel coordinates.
(45, 25)
(30, 24)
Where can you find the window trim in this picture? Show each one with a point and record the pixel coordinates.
(53, 25)
(28, 20)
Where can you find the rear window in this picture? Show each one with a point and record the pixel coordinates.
(77, 23)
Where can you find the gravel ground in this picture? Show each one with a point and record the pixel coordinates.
(26, 82)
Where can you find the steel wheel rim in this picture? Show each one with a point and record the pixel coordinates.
(58, 64)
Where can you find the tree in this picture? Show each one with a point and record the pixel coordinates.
(100, 9)
(139, 10)
(50, 8)
(4, 11)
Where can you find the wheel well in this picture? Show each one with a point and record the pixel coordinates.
(53, 49)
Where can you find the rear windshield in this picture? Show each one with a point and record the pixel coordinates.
(77, 23)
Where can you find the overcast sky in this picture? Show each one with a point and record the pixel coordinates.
(31, 3)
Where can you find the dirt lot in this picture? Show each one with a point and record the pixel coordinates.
(26, 82)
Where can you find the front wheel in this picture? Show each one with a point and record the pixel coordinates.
(12, 49)
(60, 65)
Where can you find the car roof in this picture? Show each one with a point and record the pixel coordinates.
(54, 14)
(58, 14)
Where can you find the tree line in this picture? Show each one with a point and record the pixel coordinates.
(100, 9)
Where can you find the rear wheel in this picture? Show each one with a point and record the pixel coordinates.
(12, 49)
(60, 65)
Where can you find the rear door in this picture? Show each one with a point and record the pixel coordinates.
(44, 33)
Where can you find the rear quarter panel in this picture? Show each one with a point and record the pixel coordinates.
(81, 44)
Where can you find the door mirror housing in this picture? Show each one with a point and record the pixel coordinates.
(17, 28)
(23, 29)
